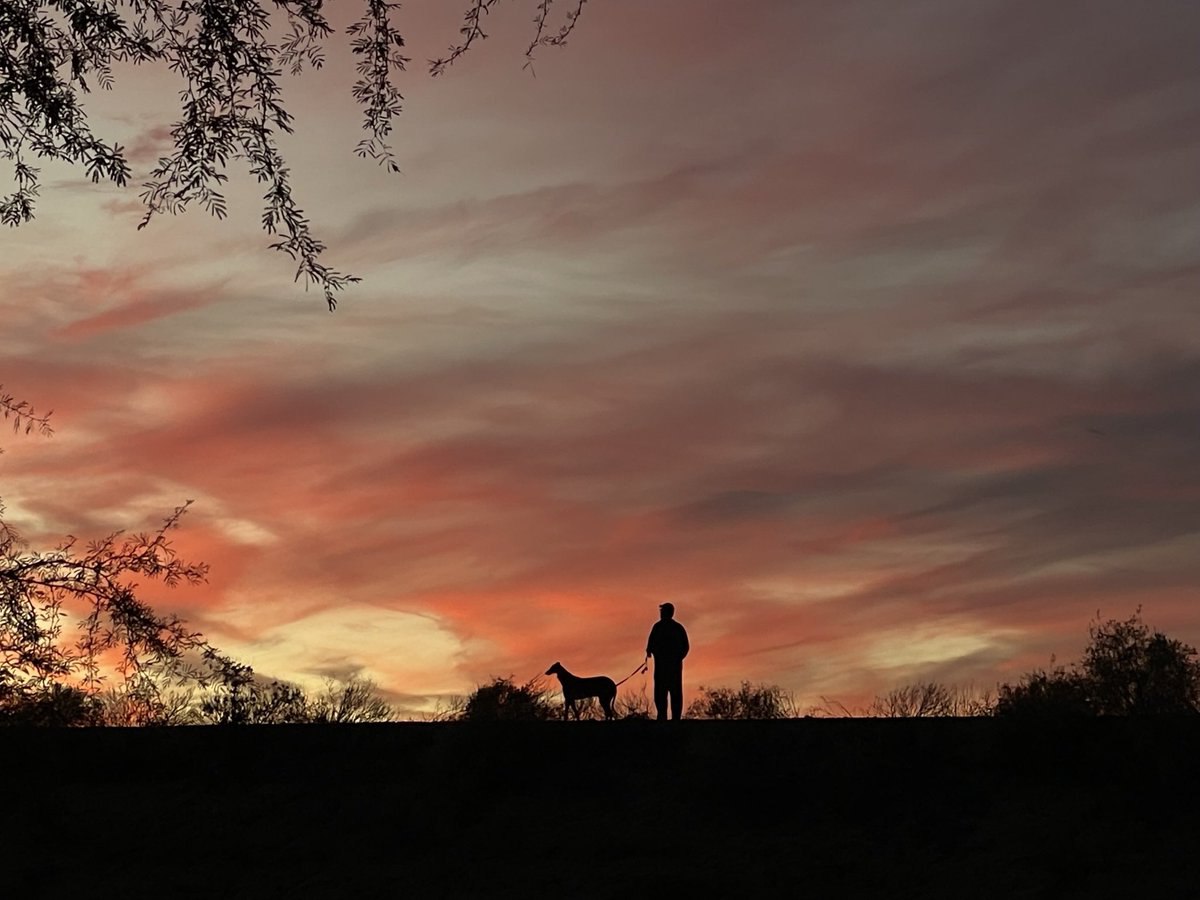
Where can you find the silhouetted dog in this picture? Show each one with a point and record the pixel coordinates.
(575, 688)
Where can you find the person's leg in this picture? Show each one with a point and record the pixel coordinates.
(677, 694)
(660, 696)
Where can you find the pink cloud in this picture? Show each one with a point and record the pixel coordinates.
(134, 312)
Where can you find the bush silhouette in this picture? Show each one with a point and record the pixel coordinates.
(1134, 671)
(926, 699)
(500, 700)
(253, 703)
(1046, 694)
(634, 706)
(248, 702)
(139, 708)
(350, 702)
(56, 705)
(1127, 670)
(749, 701)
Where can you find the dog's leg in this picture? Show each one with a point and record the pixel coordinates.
(608, 696)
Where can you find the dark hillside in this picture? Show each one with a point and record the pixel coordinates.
(962, 808)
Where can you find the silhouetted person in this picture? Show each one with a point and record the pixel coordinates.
(668, 644)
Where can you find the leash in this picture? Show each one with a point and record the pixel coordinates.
(642, 668)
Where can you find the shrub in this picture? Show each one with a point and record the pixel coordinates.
(350, 702)
(1058, 692)
(1127, 669)
(128, 708)
(1131, 670)
(926, 699)
(749, 701)
(253, 703)
(634, 706)
(56, 705)
(500, 700)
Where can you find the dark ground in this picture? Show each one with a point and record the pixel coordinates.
(968, 808)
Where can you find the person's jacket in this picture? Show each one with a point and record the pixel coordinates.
(668, 641)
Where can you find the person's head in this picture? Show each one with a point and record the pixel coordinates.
(666, 610)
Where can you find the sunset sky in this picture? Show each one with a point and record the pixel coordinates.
(866, 332)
